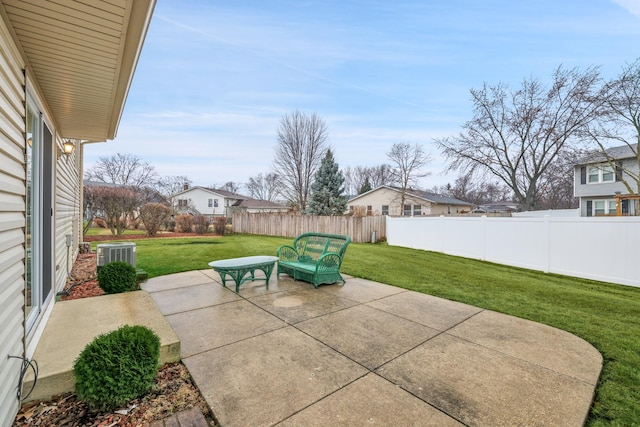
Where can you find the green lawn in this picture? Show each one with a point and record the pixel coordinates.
(605, 315)
(96, 231)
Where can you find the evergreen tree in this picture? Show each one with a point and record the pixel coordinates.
(366, 186)
(327, 189)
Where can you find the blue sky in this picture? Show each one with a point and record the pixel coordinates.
(215, 77)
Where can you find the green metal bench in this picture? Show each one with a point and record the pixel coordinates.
(314, 257)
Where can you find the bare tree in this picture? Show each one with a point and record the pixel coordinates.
(619, 125)
(517, 135)
(556, 187)
(355, 177)
(230, 186)
(115, 205)
(479, 192)
(169, 185)
(123, 169)
(302, 143)
(407, 161)
(380, 175)
(264, 187)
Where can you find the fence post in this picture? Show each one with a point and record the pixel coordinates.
(547, 220)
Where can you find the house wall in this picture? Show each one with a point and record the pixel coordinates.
(200, 201)
(549, 244)
(15, 340)
(383, 196)
(602, 189)
(12, 222)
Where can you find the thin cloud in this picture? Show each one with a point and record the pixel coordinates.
(632, 6)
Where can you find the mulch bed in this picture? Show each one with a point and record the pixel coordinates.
(172, 392)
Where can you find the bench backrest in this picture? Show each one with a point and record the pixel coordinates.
(311, 246)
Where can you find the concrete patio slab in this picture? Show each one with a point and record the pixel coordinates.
(74, 324)
(181, 299)
(258, 287)
(353, 405)
(481, 386)
(302, 304)
(434, 312)
(368, 336)
(207, 328)
(267, 378)
(172, 281)
(533, 342)
(364, 290)
(295, 355)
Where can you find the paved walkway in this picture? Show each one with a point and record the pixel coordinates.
(368, 353)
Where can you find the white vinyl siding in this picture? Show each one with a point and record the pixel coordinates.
(12, 221)
(66, 215)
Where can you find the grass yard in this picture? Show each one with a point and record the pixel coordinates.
(605, 315)
(97, 231)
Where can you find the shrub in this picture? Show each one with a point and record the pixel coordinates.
(100, 223)
(116, 277)
(153, 215)
(200, 224)
(228, 229)
(117, 367)
(184, 223)
(219, 225)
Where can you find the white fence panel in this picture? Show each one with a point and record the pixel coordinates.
(571, 213)
(521, 242)
(594, 248)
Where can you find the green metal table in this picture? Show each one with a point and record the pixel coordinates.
(238, 268)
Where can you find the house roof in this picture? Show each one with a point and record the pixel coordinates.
(425, 195)
(259, 204)
(83, 56)
(620, 152)
(438, 198)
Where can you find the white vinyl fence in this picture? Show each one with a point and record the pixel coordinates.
(603, 248)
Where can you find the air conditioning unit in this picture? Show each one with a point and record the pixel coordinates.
(110, 252)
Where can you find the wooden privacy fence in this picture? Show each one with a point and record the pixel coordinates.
(360, 229)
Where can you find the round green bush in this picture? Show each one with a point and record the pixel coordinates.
(117, 277)
(117, 367)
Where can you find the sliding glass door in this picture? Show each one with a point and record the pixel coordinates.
(39, 157)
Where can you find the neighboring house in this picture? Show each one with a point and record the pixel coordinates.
(65, 71)
(596, 181)
(215, 202)
(501, 207)
(386, 200)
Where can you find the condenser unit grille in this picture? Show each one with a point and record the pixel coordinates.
(111, 252)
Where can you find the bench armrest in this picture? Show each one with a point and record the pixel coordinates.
(329, 261)
(287, 253)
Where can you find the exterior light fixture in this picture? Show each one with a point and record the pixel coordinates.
(68, 147)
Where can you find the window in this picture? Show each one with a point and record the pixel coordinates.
(369, 210)
(215, 203)
(417, 210)
(385, 209)
(601, 173)
(604, 207)
(210, 203)
(407, 210)
(182, 203)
